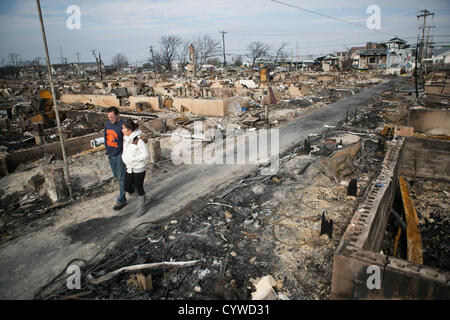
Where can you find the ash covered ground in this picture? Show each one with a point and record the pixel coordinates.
(259, 226)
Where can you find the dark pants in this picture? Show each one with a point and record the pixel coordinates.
(135, 180)
(118, 168)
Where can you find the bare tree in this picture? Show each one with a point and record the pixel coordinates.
(14, 59)
(15, 63)
(347, 63)
(183, 55)
(257, 50)
(205, 48)
(120, 60)
(237, 61)
(155, 60)
(36, 64)
(280, 53)
(169, 46)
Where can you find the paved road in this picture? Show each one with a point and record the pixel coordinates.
(80, 230)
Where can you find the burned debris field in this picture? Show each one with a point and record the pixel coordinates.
(207, 170)
(273, 229)
(277, 232)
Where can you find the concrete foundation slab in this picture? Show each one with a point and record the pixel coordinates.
(357, 259)
(95, 99)
(429, 121)
(153, 101)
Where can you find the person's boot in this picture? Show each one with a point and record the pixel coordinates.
(119, 206)
(141, 205)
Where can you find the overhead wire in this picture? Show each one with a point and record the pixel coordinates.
(292, 32)
(330, 17)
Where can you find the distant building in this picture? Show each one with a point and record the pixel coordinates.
(399, 55)
(86, 67)
(301, 63)
(396, 44)
(341, 55)
(344, 60)
(328, 62)
(440, 56)
(354, 56)
(373, 56)
(208, 67)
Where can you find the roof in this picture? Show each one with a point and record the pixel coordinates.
(442, 53)
(396, 40)
(355, 49)
(373, 52)
(327, 57)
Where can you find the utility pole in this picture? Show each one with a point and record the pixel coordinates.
(55, 104)
(100, 66)
(423, 14)
(223, 45)
(153, 58)
(193, 58)
(292, 56)
(429, 43)
(78, 67)
(61, 57)
(62, 60)
(65, 66)
(423, 54)
(415, 69)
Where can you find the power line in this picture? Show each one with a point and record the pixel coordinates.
(330, 17)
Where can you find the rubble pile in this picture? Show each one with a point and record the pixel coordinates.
(22, 207)
(432, 203)
(260, 226)
(266, 236)
(27, 118)
(431, 200)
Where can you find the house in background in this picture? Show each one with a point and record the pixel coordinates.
(373, 56)
(354, 56)
(399, 56)
(327, 63)
(440, 55)
(342, 56)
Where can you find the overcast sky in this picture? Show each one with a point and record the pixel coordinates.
(130, 27)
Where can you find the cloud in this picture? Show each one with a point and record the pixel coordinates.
(114, 25)
(9, 23)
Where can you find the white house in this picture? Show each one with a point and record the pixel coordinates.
(399, 53)
(399, 56)
(443, 57)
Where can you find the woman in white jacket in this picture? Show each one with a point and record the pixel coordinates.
(134, 156)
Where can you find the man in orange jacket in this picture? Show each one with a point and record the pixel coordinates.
(114, 149)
